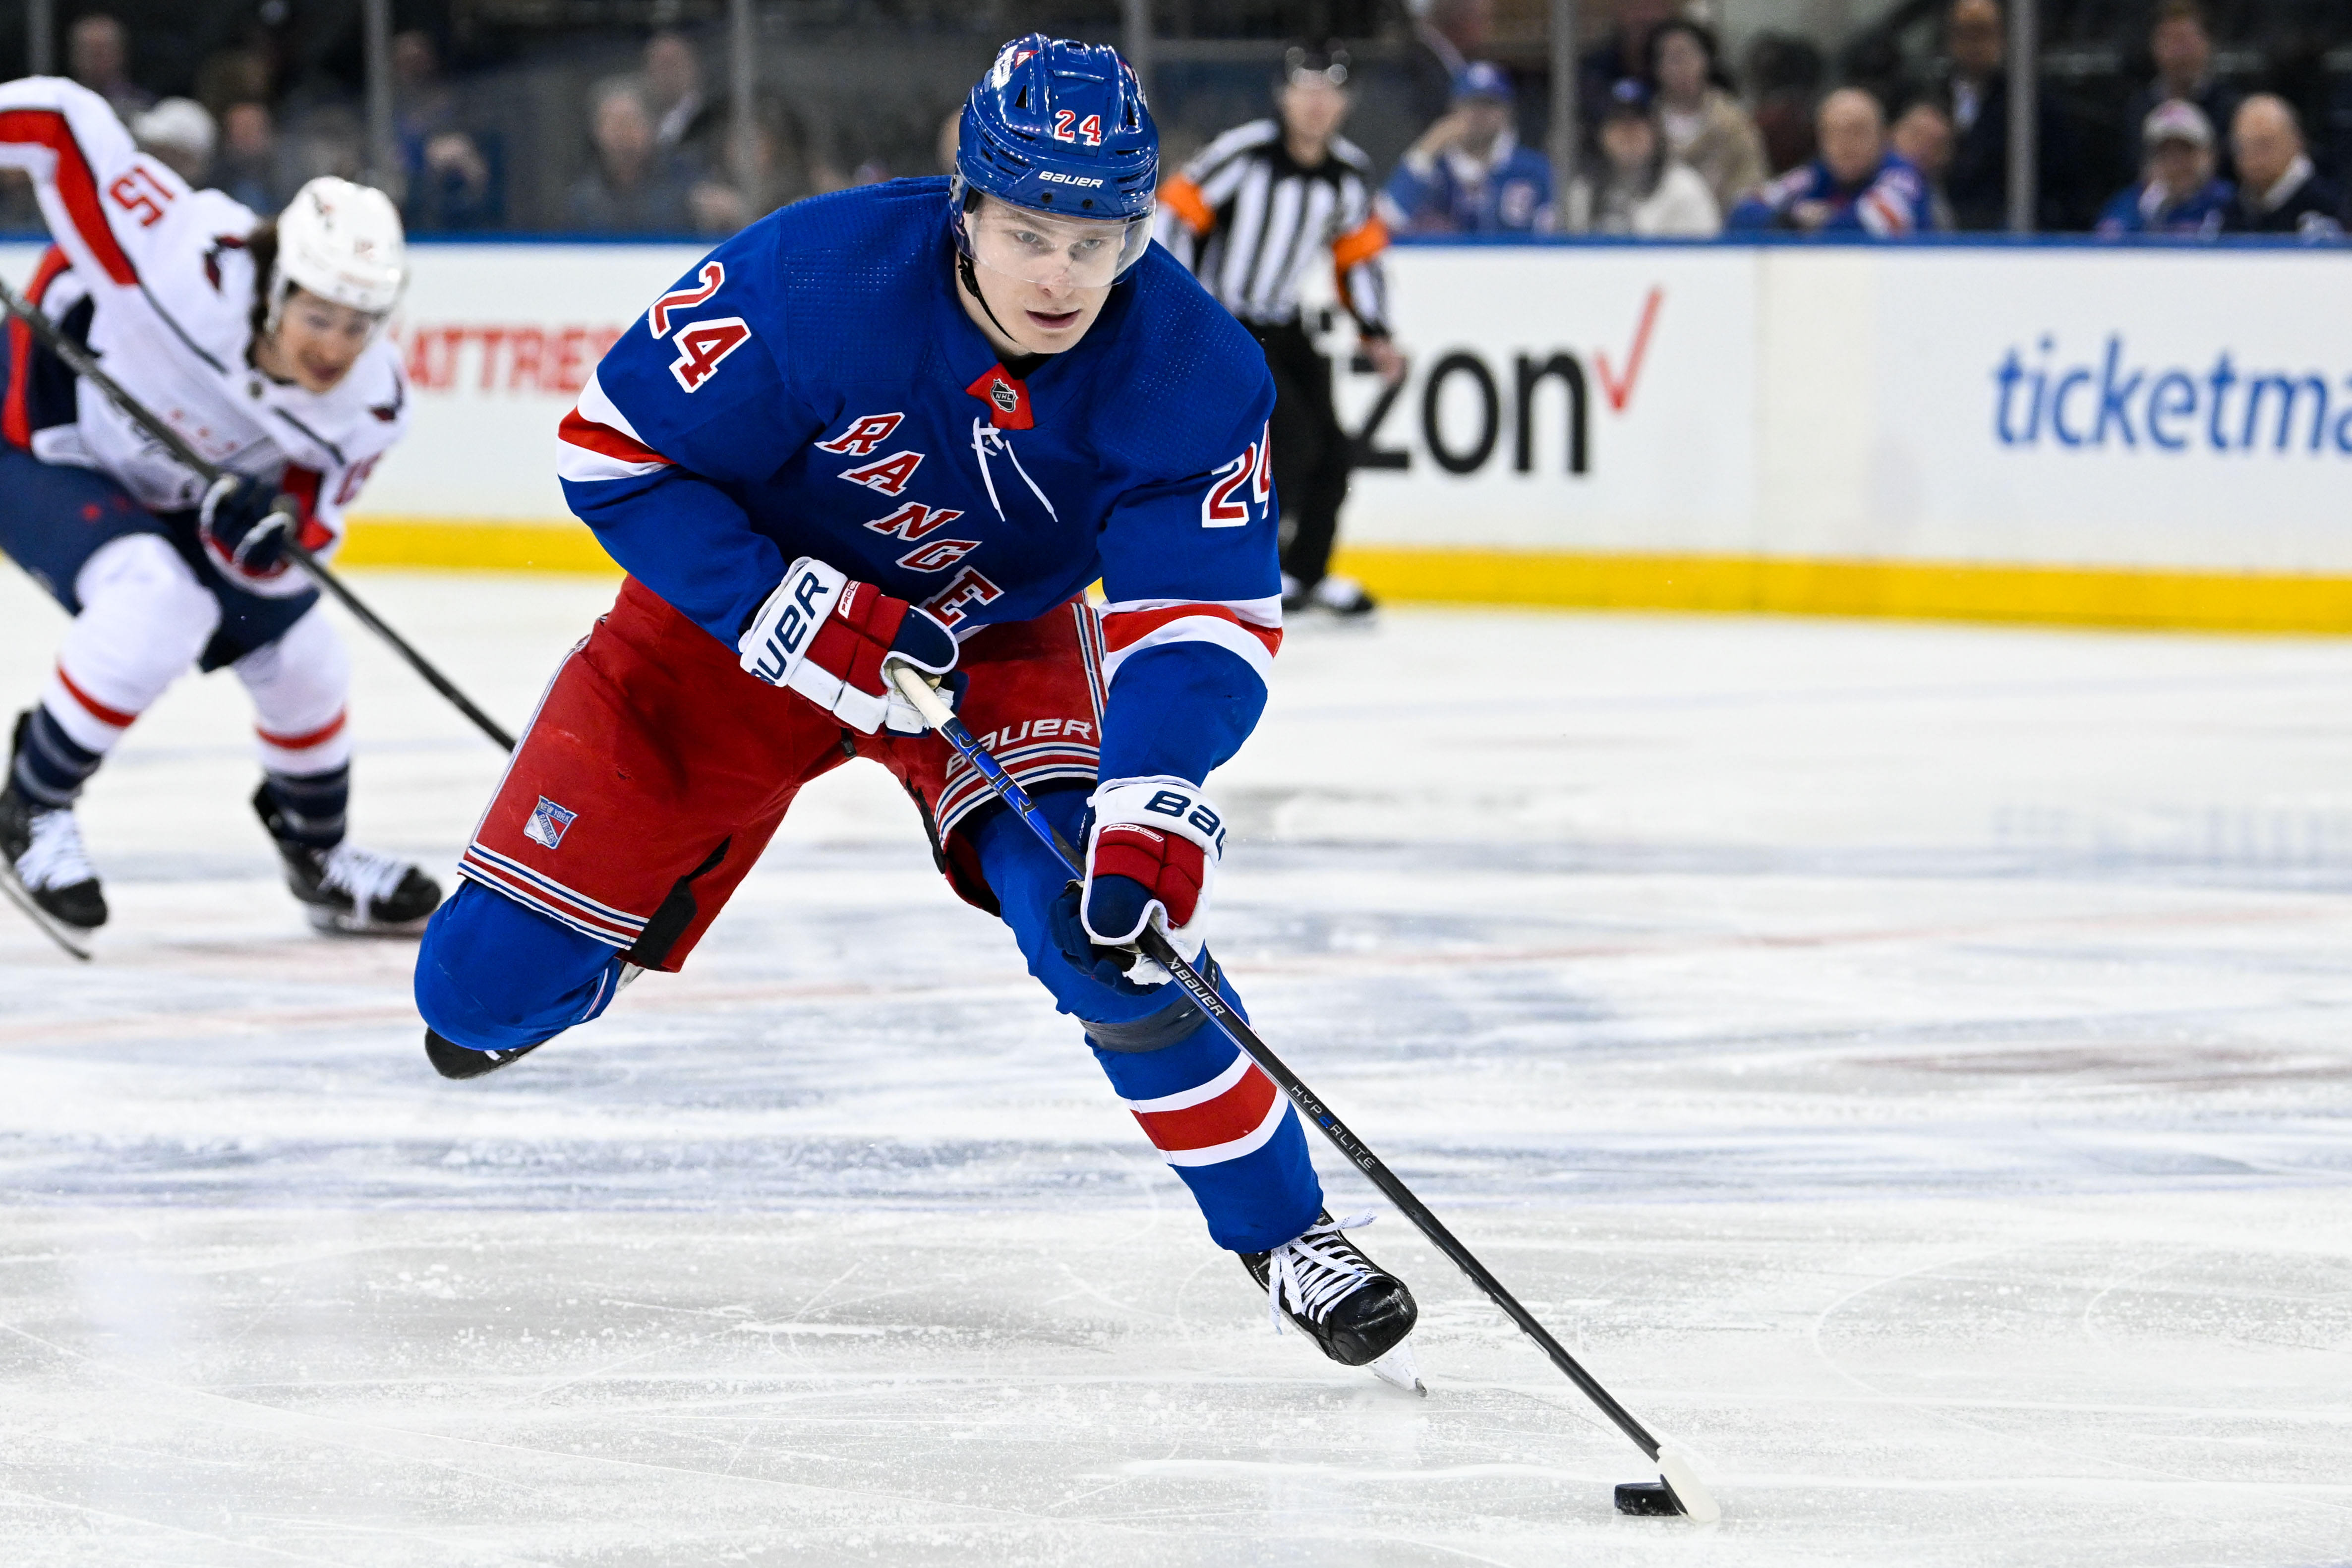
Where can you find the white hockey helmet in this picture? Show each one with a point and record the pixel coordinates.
(341, 242)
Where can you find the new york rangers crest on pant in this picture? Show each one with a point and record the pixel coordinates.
(547, 824)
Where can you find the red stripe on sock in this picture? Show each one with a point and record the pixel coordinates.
(1235, 1113)
(98, 710)
(327, 731)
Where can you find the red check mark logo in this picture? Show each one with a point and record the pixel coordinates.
(1620, 392)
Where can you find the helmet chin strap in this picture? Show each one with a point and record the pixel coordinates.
(970, 281)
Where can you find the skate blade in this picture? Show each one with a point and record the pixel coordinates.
(1396, 1369)
(65, 936)
(335, 923)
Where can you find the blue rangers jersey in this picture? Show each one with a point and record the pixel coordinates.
(1892, 202)
(813, 386)
(1507, 192)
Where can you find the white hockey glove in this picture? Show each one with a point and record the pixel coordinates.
(824, 635)
(1151, 854)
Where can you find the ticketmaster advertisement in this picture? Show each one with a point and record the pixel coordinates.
(2076, 406)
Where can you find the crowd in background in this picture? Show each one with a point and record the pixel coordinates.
(1671, 148)
(1672, 142)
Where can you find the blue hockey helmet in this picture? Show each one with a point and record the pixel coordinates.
(1059, 127)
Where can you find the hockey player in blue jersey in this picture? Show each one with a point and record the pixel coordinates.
(916, 420)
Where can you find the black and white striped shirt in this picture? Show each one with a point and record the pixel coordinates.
(1248, 219)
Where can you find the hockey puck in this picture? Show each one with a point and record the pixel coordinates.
(1653, 1499)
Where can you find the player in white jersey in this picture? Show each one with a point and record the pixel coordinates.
(261, 344)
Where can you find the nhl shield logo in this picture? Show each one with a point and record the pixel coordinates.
(1004, 396)
(548, 821)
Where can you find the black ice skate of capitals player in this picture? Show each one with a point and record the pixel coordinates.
(262, 345)
(919, 419)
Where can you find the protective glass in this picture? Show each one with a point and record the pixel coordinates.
(1044, 249)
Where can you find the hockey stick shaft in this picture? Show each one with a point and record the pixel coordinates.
(84, 364)
(1228, 1019)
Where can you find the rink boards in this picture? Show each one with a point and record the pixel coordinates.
(2051, 432)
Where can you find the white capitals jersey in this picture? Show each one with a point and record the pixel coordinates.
(172, 287)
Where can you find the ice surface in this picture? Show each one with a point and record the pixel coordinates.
(1909, 1064)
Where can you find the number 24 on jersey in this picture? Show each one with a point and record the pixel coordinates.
(1240, 490)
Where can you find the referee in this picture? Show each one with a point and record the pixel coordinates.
(1248, 216)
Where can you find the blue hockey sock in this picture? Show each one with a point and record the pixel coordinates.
(1220, 1122)
(311, 807)
(494, 976)
(50, 767)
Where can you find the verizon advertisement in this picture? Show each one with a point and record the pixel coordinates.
(1563, 399)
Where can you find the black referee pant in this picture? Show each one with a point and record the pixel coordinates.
(1312, 453)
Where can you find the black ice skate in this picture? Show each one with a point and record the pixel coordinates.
(47, 865)
(1345, 1303)
(351, 890)
(451, 1060)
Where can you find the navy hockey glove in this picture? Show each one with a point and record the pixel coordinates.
(823, 635)
(1112, 967)
(1152, 847)
(242, 528)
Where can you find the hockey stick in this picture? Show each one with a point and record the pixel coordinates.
(83, 363)
(1682, 1483)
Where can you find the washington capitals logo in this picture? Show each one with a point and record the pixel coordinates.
(548, 821)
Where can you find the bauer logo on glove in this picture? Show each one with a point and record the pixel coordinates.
(1153, 850)
(826, 636)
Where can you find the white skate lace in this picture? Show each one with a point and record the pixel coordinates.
(368, 877)
(55, 858)
(1312, 1272)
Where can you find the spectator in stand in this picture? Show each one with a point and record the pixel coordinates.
(1446, 36)
(248, 169)
(1856, 185)
(1974, 96)
(1636, 186)
(1625, 52)
(2180, 193)
(453, 176)
(686, 122)
(1923, 137)
(2183, 51)
(1783, 73)
(2279, 192)
(634, 187)
(1468, 174)
(180, 132)
(1703, 124)
(328, 138)
(97, 56)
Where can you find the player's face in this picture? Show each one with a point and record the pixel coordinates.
(317, 340)
(1046, 278)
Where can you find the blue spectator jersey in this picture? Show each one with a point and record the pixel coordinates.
(1510, 193)
(2143, 210)
(1892, 203)
(813, 386)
